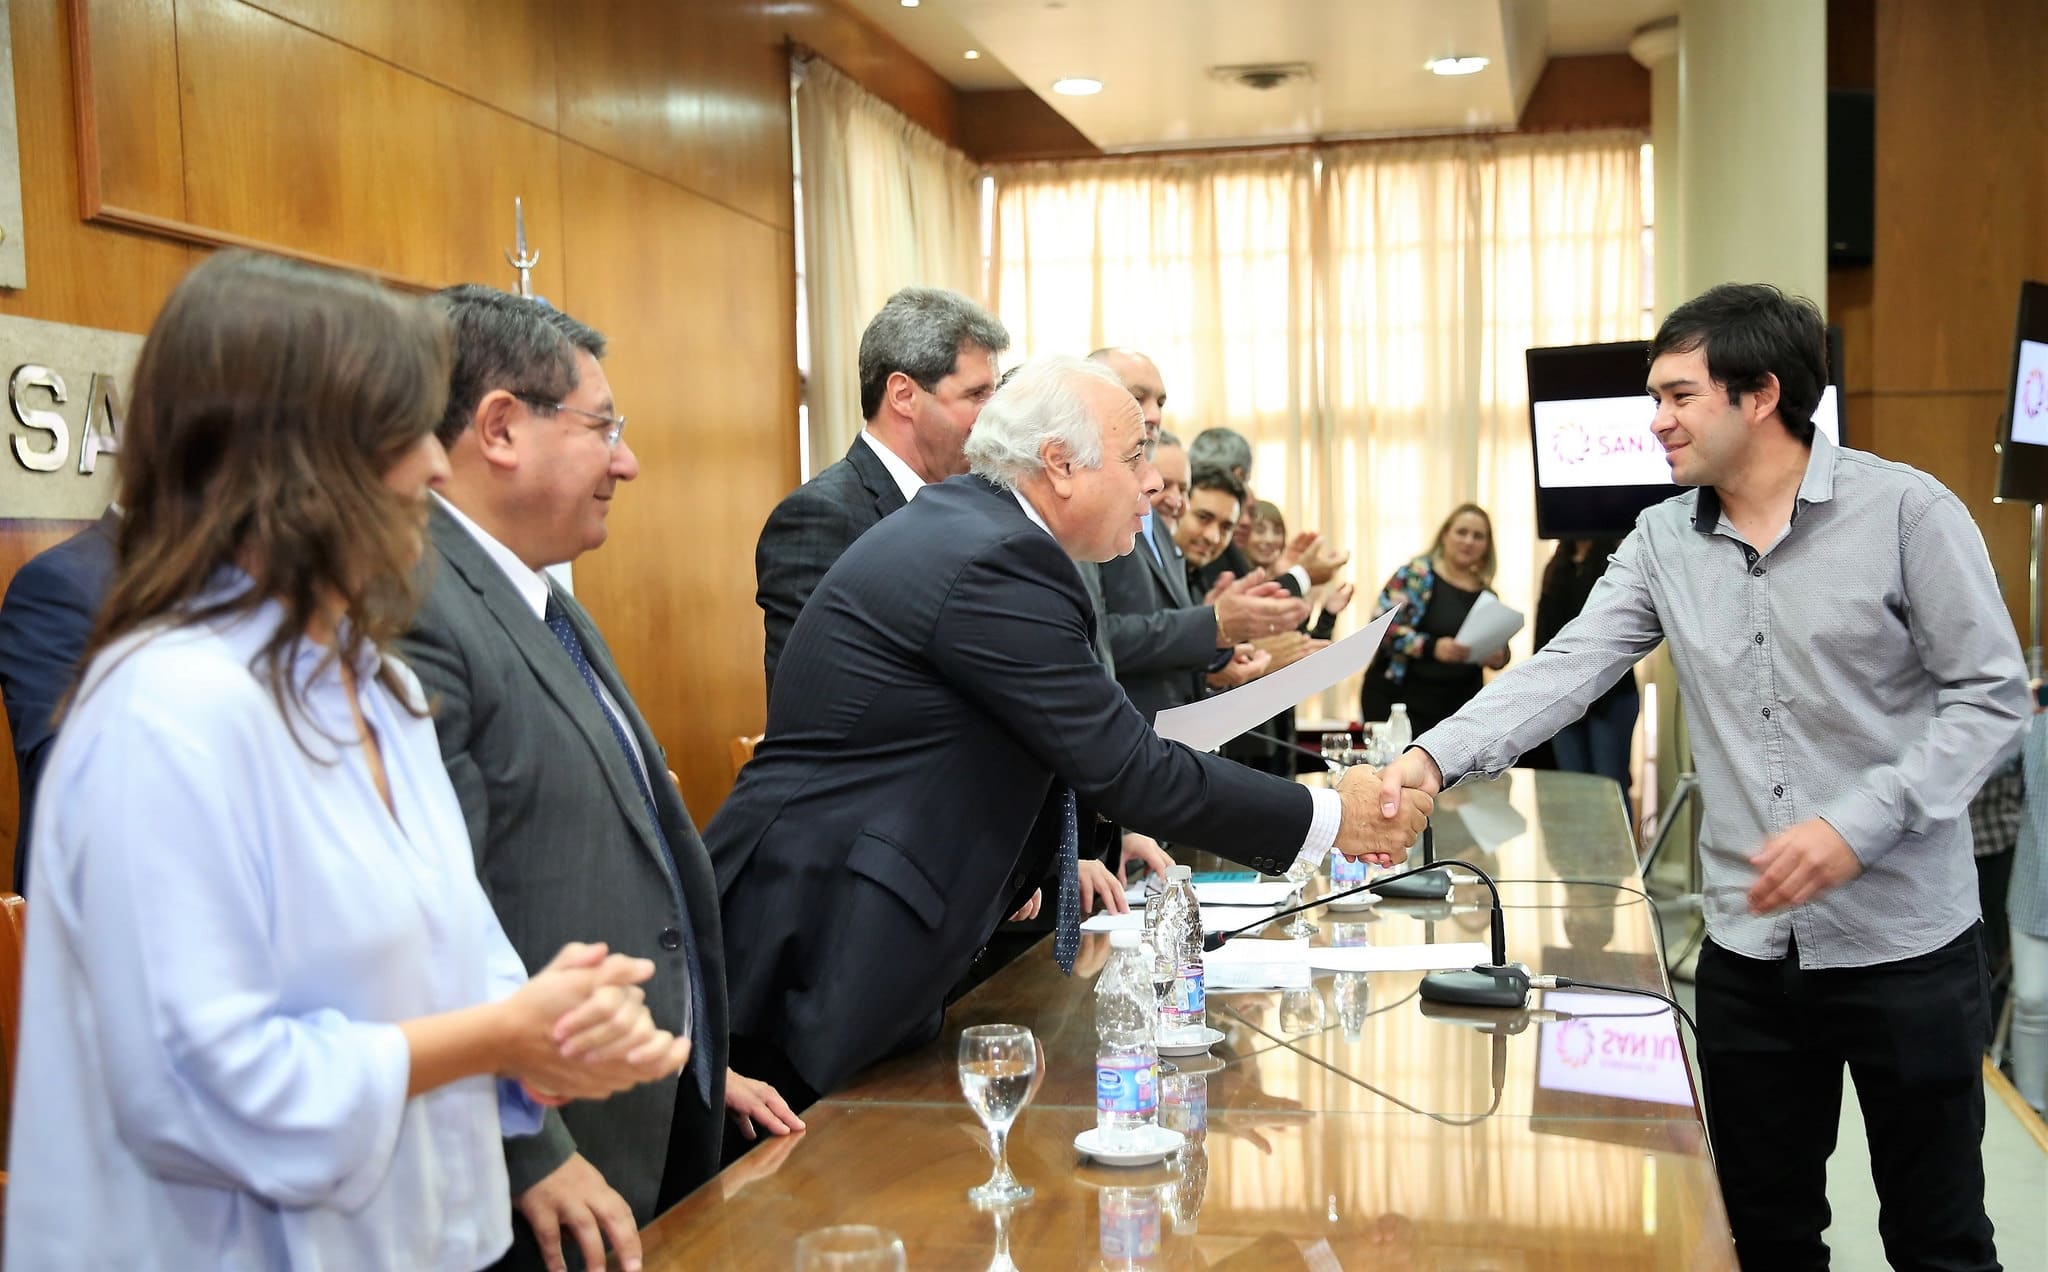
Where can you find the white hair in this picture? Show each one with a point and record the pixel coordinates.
(1043, 401)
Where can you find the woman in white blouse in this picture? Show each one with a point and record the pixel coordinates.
(269, 1019)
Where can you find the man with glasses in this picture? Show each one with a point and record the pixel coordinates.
(927, 364)
(578, 829)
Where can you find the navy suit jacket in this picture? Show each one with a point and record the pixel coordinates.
(1164, 643)
(938, 695)
(44, 621)
(808, 531)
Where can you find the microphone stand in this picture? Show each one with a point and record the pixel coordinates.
(1426, 884)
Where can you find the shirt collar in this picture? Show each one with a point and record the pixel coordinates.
(1032, 513)
(530, 583)
(1816, 486)
(905, 476)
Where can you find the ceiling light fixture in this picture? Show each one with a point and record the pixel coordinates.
(1077, 86)
(972, 55)
(1456, 65)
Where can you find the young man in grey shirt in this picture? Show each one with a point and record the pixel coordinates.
(1852, 677)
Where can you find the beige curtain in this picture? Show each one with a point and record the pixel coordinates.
(885, 205)
(1358, 311)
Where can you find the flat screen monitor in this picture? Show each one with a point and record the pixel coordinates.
(1597, 463)
(2023, 450)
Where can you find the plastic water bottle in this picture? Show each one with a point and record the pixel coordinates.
(1346, 872)
(1185, 1013)
(1354, 996)
(1126, 1066)
(1400, 731)
(1128, 1228)
(1184, 1107)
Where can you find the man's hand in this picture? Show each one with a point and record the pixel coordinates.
(1318, 559)
(1246, 663)
(1145, 849)
(1252, 607)
(1288, 648)
(1300, 545)
(575, 1196)
(1337, 598)
(1799, 864)
(1097, 883)
(748, 1101)
(1368, 831)
(1029, 910)
(1446, 650)
(1412, 771)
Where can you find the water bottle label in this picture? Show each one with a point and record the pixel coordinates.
(1130, 1226)
(1127, 1084)
(1190, 1004)
(1346, 872)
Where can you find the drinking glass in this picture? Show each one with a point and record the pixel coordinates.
(1001, 1261)
(999, 1067)
(854, 1247)
(1302, 1011)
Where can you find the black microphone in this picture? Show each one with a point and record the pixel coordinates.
(1418, 885)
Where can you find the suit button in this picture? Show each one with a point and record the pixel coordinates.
(671, 939)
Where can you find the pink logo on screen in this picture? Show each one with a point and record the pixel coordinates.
(2034, 393)
(1569, 444)
(1575, 1044)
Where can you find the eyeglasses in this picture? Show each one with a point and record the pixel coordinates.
(614, 426)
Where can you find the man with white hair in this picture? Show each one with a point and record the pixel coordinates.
(939, 712)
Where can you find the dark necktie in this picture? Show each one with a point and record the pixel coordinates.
(700, 1063)
(1066, 937)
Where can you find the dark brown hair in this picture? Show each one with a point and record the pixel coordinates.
(269, 401)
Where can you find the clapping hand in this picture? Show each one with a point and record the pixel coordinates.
(580, 1028)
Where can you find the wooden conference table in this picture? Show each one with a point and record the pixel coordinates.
(1334, 1128)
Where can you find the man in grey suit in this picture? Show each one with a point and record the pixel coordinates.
(576, 824)
(927, 363)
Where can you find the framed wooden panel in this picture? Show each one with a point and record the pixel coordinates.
(699, 304)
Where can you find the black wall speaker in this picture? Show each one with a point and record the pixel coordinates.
(1852, 176)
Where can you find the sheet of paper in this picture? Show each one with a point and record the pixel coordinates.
(1490, 822)
(1396, 958)
(1487, 628)
(1215, 918)
(1208, 724)
(1252, 964)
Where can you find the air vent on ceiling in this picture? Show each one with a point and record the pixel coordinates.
(1264, 76)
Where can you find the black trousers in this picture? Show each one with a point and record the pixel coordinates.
(1773, 1044)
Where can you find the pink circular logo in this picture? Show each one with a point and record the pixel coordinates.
(1569, 444)
(1575, 1043)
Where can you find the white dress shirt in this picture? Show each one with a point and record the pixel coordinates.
(905, 476)
(227, 932)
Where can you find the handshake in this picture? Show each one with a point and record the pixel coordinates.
(1385, 811)
(579, 1029)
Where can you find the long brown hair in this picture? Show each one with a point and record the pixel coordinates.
(269, 400)
(1492, 561)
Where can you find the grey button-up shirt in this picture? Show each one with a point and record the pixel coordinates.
(1860, 669)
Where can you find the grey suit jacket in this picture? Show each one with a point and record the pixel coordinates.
(1164, 644)
(809, 530)
(564, 846)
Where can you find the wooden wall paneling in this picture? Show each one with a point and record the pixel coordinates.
(411, 181)
(126, 52)
(875, 61)
(698, 302)
(501, 52)
(696, 94)
(1016, 125)
(1849, 308)
(1962, 187)
(1601, 90)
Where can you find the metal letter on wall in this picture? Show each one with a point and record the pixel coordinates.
(13, 261)
(65, 385)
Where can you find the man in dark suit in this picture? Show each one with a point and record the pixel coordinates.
(577, 826)
(942, 712)
(1171, 646)
(927, 363)
(43, 625)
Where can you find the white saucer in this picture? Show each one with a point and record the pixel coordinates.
(1158, 1143)
(1210, 1037)
(1357, 901)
